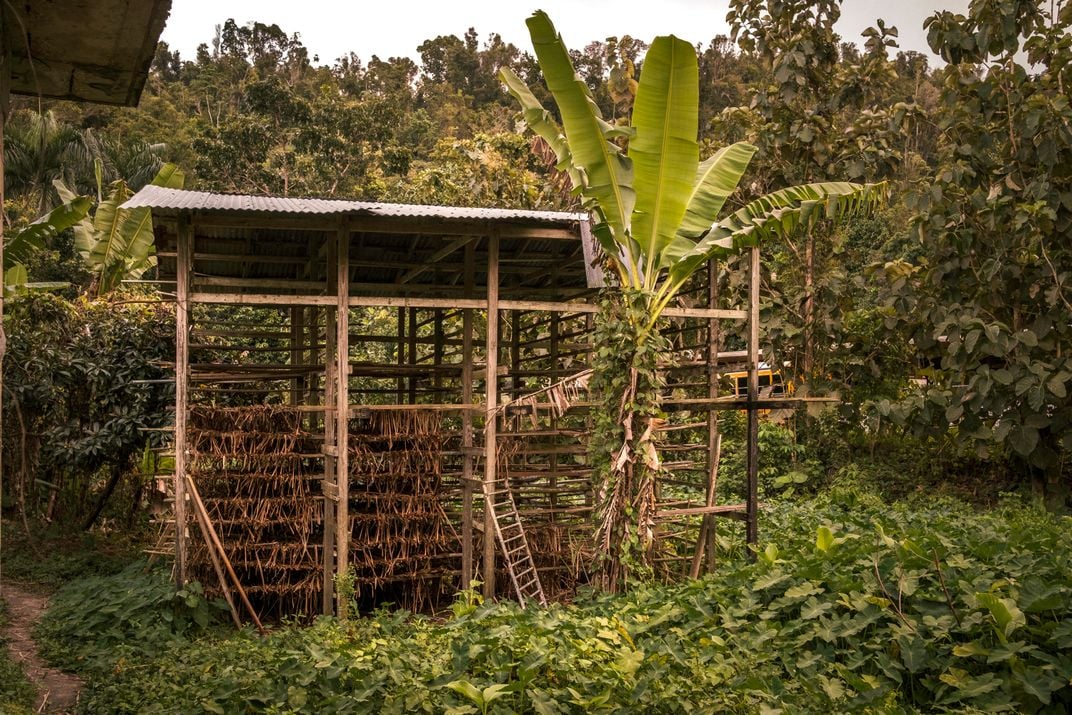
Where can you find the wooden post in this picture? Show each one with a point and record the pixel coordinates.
(183, 268)
(491, 402)
(438, 341)
(411, 354)
(705, 545)
(752, 530)
(553, 359)
(342, 406)
(297, 352)
(467, 423)
(400, 382)
(330, 487)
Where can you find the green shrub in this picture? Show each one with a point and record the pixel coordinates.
(96, 621)
(853, 605)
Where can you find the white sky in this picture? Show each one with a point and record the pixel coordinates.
(390, 28)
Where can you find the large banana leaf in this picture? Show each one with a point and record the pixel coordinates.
(111, 242)
(84, 234)
(134, 253)
(20, 244)
(607, 174)
(716, 180)
(664, 151)
(780, 213)
(540, 121)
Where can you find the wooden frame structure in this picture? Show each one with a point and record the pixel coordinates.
(353, 320)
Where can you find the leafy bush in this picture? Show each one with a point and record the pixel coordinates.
(854, 605)
(96, 622)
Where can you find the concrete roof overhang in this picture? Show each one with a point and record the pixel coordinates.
(83, 50)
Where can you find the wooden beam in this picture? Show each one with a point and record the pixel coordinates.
(182, 376)
(270, 299)
(490, 420)
(436, 257)
(467, 425)
(342, 403)
(752, 529)
(706, 542)
(379, 224)
(330, 482)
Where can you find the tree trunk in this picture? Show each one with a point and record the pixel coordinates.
(113, 479)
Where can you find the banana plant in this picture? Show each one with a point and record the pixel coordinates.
(117, 243)
(655, 206)
(21, 244)
(656, 214)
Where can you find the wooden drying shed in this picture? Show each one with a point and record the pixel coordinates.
(371, 347)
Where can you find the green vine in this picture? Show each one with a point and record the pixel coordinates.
(622, 448)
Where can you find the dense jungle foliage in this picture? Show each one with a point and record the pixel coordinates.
(957, 284)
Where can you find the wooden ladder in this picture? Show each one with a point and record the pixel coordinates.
(510, 533)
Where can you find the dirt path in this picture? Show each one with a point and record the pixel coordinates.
(57, 691)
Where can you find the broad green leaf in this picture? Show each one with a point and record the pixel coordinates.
(467, 690)
(716, 180)
(170, 176)
(84, 234)
(111, 243)
(494, 692)
(1004, 610)
(777, 214)
(20, 244)
(15, 278)
(967, 685)
(664, 151)
(540, 121)
(824, 539)
(608, 175)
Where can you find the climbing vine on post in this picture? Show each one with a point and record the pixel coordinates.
(655, 211)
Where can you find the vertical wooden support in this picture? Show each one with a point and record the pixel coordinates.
(411, 354)
(183, 265)
(342, 407)
(553, 360)
(467, 423)
(752, 531)
(515, 362)
(297, 352)
(491, 402)
(400, 382)
(438, 340)
(705, 545)
(330, 487)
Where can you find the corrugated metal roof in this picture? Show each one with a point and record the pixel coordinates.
(157, 197)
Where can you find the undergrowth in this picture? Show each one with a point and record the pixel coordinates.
(96, 623)
(51, 558)
(853, 605)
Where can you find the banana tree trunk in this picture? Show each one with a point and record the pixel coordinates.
(623, 446)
